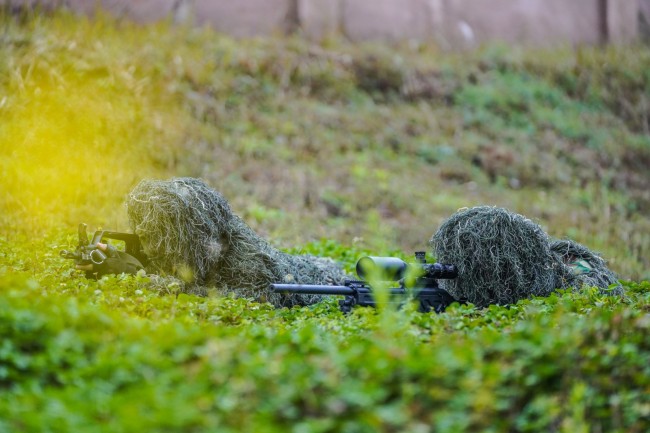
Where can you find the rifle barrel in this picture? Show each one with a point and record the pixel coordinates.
(312, 289)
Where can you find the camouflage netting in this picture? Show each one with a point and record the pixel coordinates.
(586, 268)
(503, 257)
(189, 231)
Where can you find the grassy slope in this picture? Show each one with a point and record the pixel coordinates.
(368, 146)
(331, 141)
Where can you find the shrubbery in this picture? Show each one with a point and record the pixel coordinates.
(110, 355)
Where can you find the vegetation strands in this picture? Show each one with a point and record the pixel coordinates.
(503, 257)
(190, 232)
(593, 271)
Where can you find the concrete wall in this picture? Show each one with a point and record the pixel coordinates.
(530, 22)
(644, 19)
(452, 24)
(622, 20)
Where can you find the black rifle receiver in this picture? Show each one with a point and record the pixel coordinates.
(417, 279)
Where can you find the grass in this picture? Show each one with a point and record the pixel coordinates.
(332, 149)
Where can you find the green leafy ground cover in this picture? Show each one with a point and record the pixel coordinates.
(113, 356)
(330, 149)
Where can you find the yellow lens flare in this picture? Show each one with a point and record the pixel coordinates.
(74, 141)
(56, 146)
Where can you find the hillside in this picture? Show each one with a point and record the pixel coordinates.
(332, 149)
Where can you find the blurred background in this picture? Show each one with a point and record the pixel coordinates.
(364, 122)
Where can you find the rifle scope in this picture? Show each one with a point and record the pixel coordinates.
(394, 269)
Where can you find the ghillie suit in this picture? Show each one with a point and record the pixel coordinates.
(503, 257)
(585, 267)
(188, 230)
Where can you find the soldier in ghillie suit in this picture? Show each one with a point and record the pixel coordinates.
(189, 231)
(503, 257)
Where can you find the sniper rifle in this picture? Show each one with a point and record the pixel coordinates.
(418, 280)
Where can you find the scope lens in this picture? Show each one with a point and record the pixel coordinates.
(97, 257)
